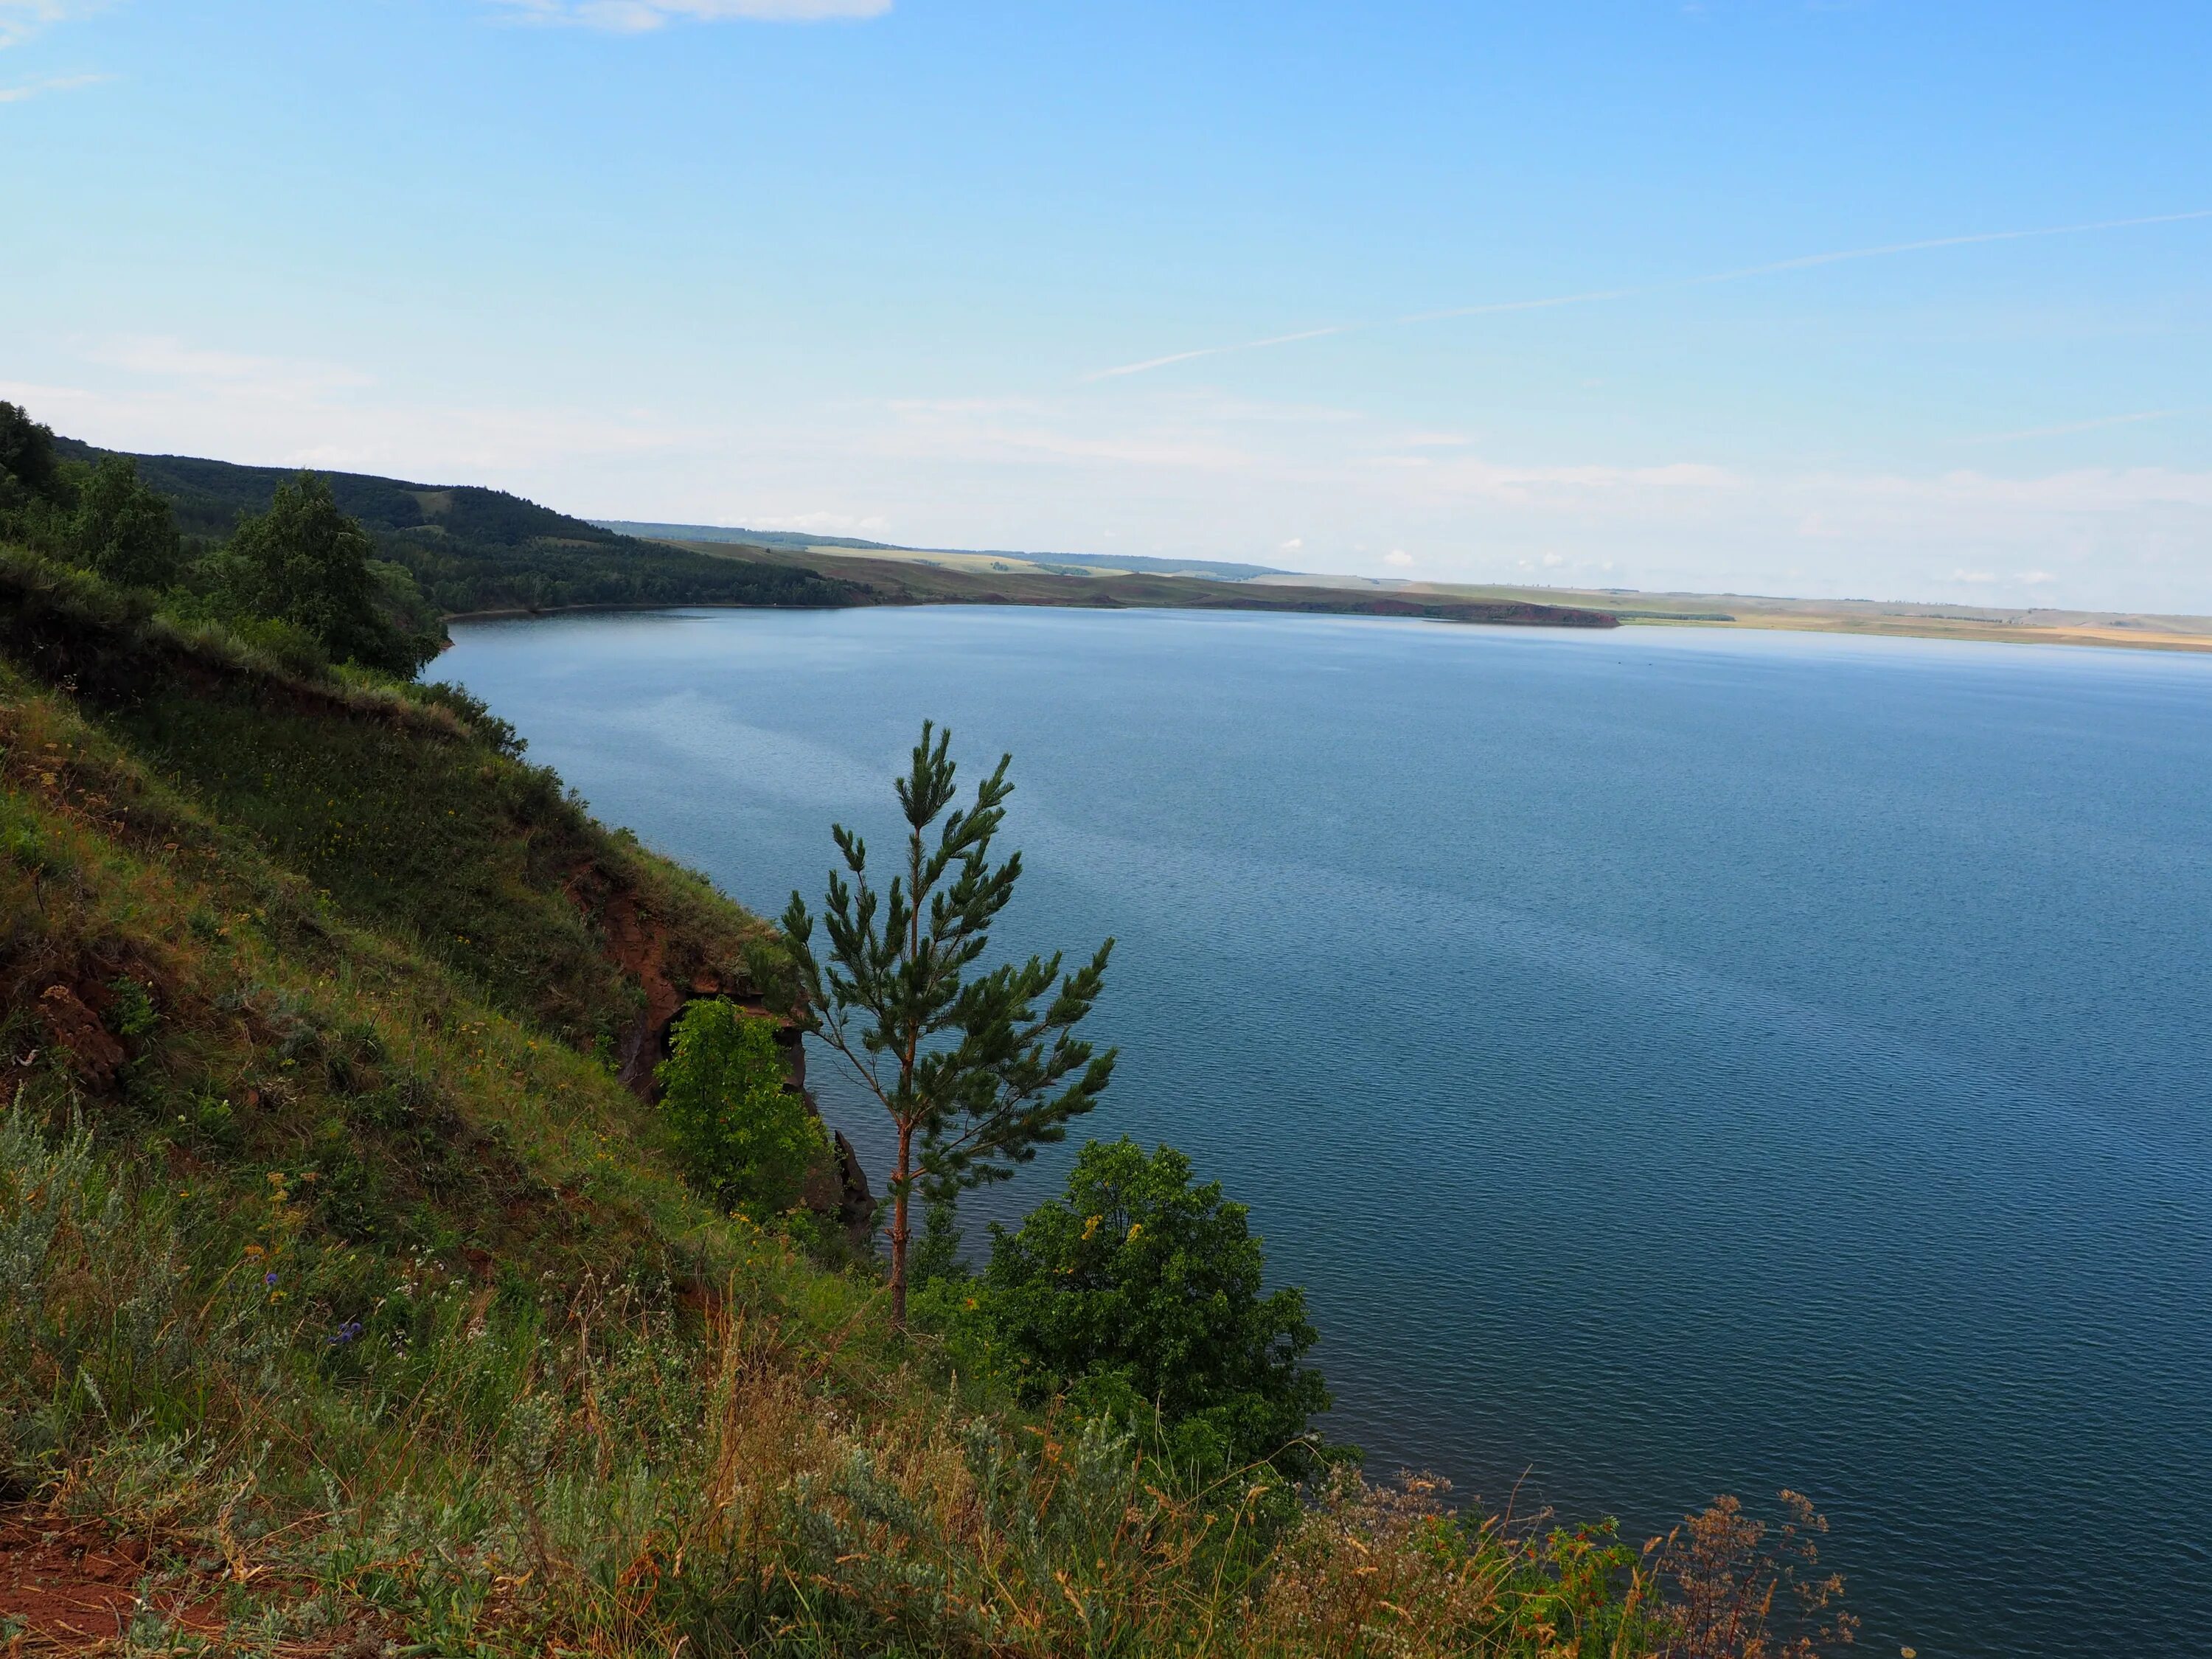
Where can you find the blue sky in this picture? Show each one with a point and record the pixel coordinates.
(863, 267)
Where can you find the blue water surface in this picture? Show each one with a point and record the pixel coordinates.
(1673, 1061)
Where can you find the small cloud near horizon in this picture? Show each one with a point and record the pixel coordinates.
(823, 524)
(639, 16)
(1398, 557)
(58, 83)
(2072, 427)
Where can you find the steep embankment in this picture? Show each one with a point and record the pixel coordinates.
(408, 817)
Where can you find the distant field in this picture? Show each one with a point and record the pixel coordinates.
(1949, 621)
(785, 541)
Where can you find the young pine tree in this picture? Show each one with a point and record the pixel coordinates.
(974, 1076)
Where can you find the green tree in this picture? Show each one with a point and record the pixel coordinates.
(1140, 1287)
(122, 528)
(974, 1076)
(29, 469)
(935, 1256)
(305, 563)
(744, 1135)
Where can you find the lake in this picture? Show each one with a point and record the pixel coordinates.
(1674, 1061)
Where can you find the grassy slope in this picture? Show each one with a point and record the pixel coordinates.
(344, 893)
(344, 1286)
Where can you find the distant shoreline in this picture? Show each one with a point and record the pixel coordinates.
(912, 576)
(1153, 593)
(1901, 629)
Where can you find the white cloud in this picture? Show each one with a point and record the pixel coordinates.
(1590, 296)
(21, 19)
(58, 83)
(636, 16)
(1399, 557)
(1191, 473)
(281, 380)
(1293, 545)
(871, 525)
(1179, 437)
(333, 418)
(2073, 427)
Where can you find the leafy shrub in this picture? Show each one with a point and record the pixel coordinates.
(475, 713)
(744, 1135)
(286, 644)
(1140, 1289)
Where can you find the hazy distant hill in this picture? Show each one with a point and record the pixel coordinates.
(1218, 569)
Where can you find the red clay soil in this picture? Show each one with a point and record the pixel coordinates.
(639, 946)
(73, 1026)
(70, 1586)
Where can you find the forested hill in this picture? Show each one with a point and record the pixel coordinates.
(471, 549)
(208, 497)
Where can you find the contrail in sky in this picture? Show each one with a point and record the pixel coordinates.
(1804, 262)
(2098, 424)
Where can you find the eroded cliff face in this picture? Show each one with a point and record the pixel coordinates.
(840, 1189)
(311, 808)
(670, 973)
(643, 947)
